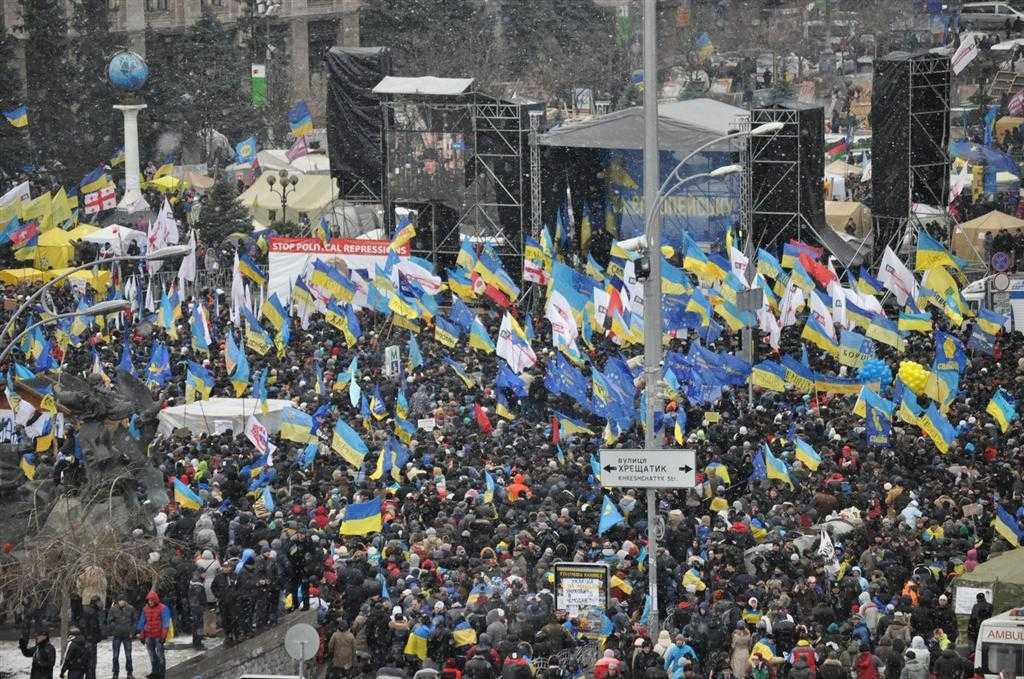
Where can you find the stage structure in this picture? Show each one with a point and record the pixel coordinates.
(910, 140)
(783, 197)
(461, 159)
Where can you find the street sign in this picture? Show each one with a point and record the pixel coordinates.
(622, 468)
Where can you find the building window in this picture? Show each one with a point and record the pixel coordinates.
(213, 3)
(156, 5)
(323, 35)
(272, 216)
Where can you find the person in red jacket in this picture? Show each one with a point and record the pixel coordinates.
(154, 622)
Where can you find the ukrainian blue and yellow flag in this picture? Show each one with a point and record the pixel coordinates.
(814, 333)
(17, 116)
(868, 284)
(1002, 408)
(446, 332)
(1006, 525)
(28, 466)
(405, 231)
(886, 332)
(201, 338)
(363, 518)
(501, 406)
(273, 311)
(404, 429)
(931, 253)
(915, 322)
(416, 643)
(198, 380)
(460, 370)
(479, 339)
(185, 497)
(776, 468)
(300, 120)
(460, 283)
(990, 321)
(767, 265)
(567, 426)
(938, 428)
(733, 317)
(248, 268)
(953, 310)
(332, 282)
(488, 488)
(806, 453)
(296, 425)
(347, 443)
(769, 375)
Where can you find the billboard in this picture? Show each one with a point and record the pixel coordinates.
(705, 208)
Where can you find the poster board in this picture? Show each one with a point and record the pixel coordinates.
(581, 589)
(966, 597)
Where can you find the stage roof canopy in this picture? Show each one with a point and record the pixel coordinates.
(682, 125)
(426, 85)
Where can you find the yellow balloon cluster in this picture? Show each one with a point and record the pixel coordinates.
(914, 375)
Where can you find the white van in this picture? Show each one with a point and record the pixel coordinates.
(1001, 645)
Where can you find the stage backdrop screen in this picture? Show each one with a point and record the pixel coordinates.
(427, 155)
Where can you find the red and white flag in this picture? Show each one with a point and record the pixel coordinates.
(97, 201)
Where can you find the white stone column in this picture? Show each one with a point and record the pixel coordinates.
(132, 201)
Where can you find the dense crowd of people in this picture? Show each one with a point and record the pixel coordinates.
(457, 582)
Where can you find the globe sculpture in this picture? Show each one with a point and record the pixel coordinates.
(127, 71)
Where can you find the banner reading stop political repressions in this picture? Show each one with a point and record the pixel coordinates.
(289, 258)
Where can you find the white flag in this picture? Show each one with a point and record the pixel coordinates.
(964, 54)
(826, 549)
(513, 346)
(187, 270)
(896, 277)
(822, 313)
(563, 323)
(792, 301)
(259, 437)
(237, 293)
(19, 193)
(601, 301)
(738, 262)
(162, 232)
(835, 291)
(768, 323)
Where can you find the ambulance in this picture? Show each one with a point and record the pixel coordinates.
(1000, 645)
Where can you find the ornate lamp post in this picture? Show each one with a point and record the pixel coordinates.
(287, 186)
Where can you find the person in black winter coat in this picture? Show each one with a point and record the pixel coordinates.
(197, 605)
(76, 657)
(981, 612)
(91, 625)
(949, 665)
(43, 654)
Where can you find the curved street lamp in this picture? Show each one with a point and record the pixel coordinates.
(160, 255)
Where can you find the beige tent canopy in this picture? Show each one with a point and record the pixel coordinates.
(312, 194)
(839, 212)
(1004, 125)
(841, 168)
(968, 237)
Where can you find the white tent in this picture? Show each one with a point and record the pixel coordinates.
(118, 236)
(216, 415)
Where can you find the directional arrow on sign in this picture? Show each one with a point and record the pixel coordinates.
(627, 468)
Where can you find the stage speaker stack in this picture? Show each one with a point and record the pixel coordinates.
(786, 174)
(355, 123)
(910, 138)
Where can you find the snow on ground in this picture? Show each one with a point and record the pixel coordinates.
(13, 664)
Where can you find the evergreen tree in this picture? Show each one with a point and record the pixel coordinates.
(222, 214)
(52, 123)
(94, 97)
(14, 149)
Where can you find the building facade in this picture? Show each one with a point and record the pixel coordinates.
(304, 28)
